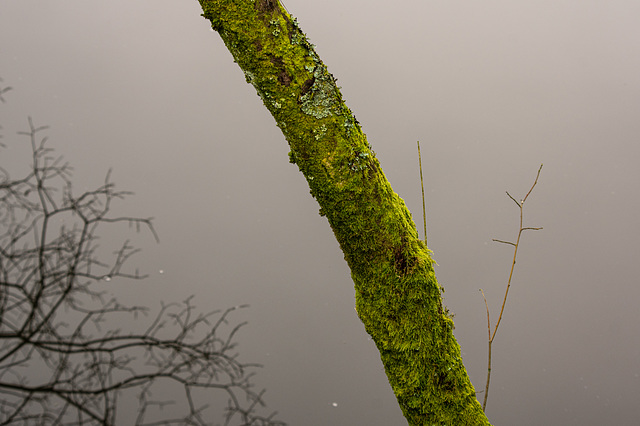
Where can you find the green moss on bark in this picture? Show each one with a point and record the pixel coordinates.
(397, 295)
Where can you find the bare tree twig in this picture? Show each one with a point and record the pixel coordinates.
(424, 208)
(516, 245)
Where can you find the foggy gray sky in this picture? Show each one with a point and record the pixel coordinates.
(491, 89)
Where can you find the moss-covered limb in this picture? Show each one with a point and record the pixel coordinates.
(397, 294)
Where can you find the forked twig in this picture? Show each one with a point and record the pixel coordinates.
(492, 335)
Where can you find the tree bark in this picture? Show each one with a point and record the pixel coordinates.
(397, 295)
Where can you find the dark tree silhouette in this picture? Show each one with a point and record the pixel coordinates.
(60, 360)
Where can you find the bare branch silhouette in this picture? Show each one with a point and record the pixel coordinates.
(61, 361)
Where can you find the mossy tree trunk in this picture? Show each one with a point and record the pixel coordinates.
(397, 295)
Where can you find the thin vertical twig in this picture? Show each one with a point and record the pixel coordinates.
(486, 389)
(424, 209)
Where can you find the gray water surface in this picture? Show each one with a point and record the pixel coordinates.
(491, 89)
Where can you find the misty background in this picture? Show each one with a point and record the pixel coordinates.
(492, 89)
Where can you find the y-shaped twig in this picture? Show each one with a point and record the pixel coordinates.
(492, 335)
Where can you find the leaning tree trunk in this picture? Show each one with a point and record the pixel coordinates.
(397, 295)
